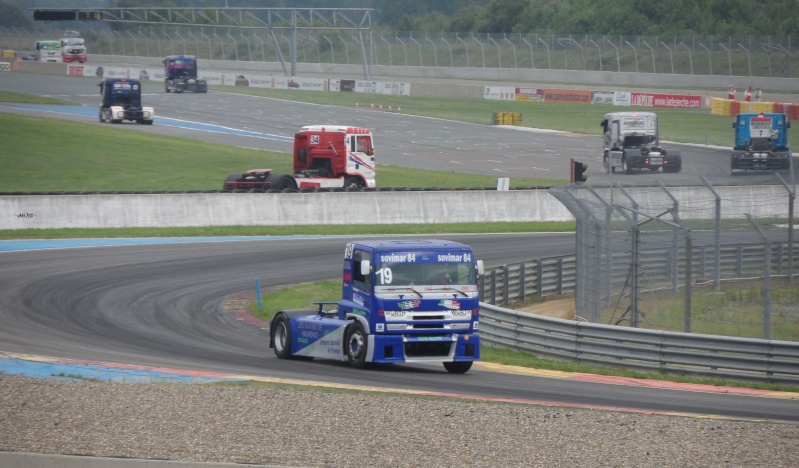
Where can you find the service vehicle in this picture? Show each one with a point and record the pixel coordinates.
(325, 156)
(180, 74)
(761, 143)
(121, 100)
(48, 51)
(73, 49)
(631, 142)
(402, 301)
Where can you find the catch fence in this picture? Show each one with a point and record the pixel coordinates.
(763, 56)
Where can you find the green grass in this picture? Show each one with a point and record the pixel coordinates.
(77, 157)
(326, 230)
(736, 309)
(9, 96)
(679, 125)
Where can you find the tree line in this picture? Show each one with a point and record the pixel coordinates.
(595, 17)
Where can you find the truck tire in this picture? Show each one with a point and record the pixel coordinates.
(626, 167)
(281, 337)
(353, 183)
(356, 345)
(286, 182)
(459, 367)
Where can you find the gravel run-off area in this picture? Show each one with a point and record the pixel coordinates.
(295, 427)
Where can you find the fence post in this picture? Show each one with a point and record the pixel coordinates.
(766, 278)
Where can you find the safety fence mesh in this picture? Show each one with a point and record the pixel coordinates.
(714, 260)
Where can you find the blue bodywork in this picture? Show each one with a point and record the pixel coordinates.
(761, 143)
(121, 100)
(402, 301)
(180, 74)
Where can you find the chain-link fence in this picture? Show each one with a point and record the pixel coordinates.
(766, 56)
(713, 260)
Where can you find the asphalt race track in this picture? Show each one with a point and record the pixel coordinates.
(160, 305)
(402, 140)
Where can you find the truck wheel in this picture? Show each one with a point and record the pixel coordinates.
(626, 167)
(353, 183)
(281, 337)
(356, 346)
(286, 182)
(459, 367)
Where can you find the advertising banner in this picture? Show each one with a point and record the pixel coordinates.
(622, 98)
(572, 96)
(603, 97)
(529, 94)
(673, 101)
(499, 93)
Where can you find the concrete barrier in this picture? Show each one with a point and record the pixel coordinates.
(276, 209)
(390, 207)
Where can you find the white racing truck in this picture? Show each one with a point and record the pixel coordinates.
(631, 142)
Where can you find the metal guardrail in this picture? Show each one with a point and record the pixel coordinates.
(646, 350)
(517, 282)
(617, 346)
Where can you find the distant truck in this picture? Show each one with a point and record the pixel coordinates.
(180, 74)
(73, 49)
(121, 100)
(761, 143)
(402, 301)
(325, 156)
(48, 51)
(631, 142)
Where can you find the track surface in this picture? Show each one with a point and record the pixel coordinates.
(159, 305)
(402, 140)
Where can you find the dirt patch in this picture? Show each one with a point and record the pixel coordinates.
(558, 308)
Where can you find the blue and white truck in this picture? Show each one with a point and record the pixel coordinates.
(402, 301)
(761, 143)
(121, 100)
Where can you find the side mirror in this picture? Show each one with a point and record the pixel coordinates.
(480, 268)
(366, 267)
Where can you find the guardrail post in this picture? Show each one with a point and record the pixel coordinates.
(560, 276)
(539, 271)
(521, 283)
(494, 286)
(505, 285)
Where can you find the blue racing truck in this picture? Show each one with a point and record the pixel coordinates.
(121, 100)
(402, 301)
(180, 74)
(761, 143)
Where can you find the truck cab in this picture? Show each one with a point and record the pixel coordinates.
(73, 49)
(180, 74)
(121, 100)
(761, 143)
(631, 141)
(334, 156)
(402, 301)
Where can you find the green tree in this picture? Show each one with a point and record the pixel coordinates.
(12, 15)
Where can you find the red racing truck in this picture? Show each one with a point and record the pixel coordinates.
(325, 156)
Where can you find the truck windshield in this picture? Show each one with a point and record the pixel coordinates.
(424, 274)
